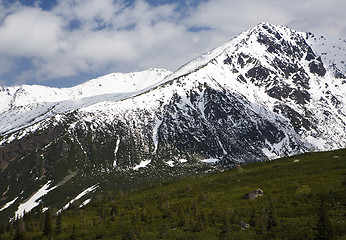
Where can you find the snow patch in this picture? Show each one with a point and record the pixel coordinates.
(142, 164)
(85, 203)
(86, 191)
(319, 143)
(155, 133)
(269, 153)
(115, 152)
(211, 160)
(223, 149)
(170, 163)
(34, 200)
(8, 204)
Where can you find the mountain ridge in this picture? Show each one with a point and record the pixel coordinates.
(31, 96)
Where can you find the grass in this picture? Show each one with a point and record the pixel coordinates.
(303, 199)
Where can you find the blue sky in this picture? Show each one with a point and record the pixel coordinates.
(66, 42)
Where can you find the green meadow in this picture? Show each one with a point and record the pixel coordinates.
(304, 197)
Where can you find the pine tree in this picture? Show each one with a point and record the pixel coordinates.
(20, 235)
(254, 217)
(73, 235)
(9, 227)
(41, 216)
(201, 221)
(163, 231)
(103, 211)
(166, 210)
(144, 214)
(114, 212)
(59, 224)
(29, 222)
(48, 224)
(182, 217)
(20, 230)
(2, 229)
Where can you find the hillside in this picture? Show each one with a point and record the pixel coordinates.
(303, 197)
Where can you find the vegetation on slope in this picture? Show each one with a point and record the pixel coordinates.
(304, 198)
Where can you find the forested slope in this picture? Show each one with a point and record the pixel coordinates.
(303, 197)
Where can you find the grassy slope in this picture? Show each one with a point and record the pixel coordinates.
(302, 200)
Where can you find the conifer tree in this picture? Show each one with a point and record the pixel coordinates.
(20, 230)
(144, 214)
(20, 235)
(48, 224)
(73, 235)
(163, 231)
(2, 229)
(41, 216)
(59, 224)
(254, 217)
(29, 222)
(114, 212)
(166, 210)
(9, 227)
(181, 216)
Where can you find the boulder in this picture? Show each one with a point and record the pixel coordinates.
(244, 225)
(254, 194)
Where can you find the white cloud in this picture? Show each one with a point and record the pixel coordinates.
(89, 12)
(232, 17)
(319, 17)
(30, 32)
(100, 36)
(107, 36)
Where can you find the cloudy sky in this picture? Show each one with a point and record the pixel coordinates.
(65, 42)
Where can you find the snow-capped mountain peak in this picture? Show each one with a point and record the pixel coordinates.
(269, 92)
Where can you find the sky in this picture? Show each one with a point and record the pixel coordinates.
(62, 43)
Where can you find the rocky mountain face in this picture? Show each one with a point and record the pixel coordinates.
(269, 92)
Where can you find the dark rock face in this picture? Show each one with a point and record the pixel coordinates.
(286, 92)
(317, 67)
(17, 149)
(310, 55)
(297, 120)
(285, 67)
(258, 74)
(223, 128)
(337, 72)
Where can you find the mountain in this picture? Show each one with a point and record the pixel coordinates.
(269, 92)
